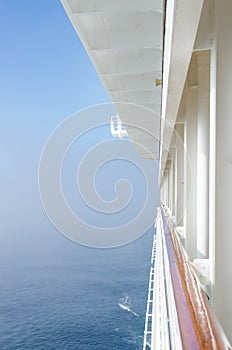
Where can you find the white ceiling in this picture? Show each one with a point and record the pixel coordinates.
(123, 39)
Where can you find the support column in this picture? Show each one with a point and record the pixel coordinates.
(179, 174)
(190, 219)
(170, 186)
(203, 58)
(165, 186)
(172, 153)
(223, 246)
(174, 184)
(162, 191)
(166, 181)
(212, 166)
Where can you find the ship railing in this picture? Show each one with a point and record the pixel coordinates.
(150, 301)
(165, 328)
(198, 326)
(161, 325)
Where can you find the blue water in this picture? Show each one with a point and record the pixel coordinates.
(70, 299)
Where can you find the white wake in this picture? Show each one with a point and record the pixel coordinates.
(124, 306)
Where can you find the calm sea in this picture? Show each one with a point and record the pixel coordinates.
(78, 298)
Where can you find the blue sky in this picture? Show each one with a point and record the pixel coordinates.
(45, 77)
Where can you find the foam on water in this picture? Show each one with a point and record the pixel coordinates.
(125, 304)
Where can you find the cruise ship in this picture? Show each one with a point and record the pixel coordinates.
(167, 67)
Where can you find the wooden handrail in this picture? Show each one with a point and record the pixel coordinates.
(198, 324)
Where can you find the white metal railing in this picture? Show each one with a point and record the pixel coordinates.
(150, 300)
(161, 325)
(173, 330)
(153, 250)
